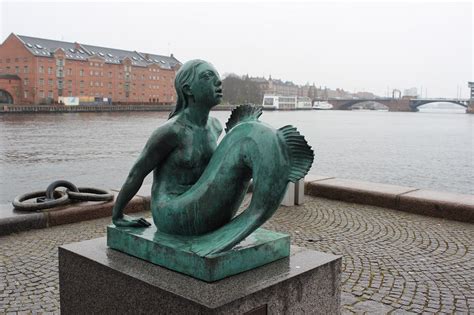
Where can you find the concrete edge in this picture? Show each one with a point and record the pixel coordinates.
(451, 206)
(438, 204)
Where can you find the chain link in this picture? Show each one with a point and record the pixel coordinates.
(51, 198)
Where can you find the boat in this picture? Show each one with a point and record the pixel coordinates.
(322, 105)
(285, 102)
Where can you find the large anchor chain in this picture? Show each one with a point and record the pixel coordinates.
(50, 198)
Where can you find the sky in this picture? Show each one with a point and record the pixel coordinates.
(358, 46)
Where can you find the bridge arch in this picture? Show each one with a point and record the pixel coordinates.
(347, 105)
(414, 104)
(5, 97)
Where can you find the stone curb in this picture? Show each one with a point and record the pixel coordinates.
(425, 202)
(438, 204)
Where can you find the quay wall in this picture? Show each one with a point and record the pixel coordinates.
(5, 109)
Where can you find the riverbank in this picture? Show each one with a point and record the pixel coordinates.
(438, 204)
(5, 109)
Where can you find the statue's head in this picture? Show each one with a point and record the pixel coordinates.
(197, 80)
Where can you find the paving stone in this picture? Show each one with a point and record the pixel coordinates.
(412, 263)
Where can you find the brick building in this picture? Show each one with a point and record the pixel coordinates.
(35, 70)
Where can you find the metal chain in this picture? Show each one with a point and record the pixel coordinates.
(51, 197)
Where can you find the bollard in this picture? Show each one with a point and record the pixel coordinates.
(294, 194)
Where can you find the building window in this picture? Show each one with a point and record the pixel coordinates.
(26, 94)
(50, 94)
(17, 69)
(69, 71)
(69, 83)
(50, 70)
(91, 72)
(81, 93)
(41, 82)
(70, 93)
(81, 84)
(41, 94)
(60, 62)
(109, 85)
(50, 82)
(25, 82)
(81, 72)
(16, 60)
(25, 69)
(110, 74)
(91, 83)
(41, 69)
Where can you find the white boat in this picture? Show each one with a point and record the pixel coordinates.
(322, 105)
(285, 102)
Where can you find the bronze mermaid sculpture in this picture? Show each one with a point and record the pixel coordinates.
(199, 185)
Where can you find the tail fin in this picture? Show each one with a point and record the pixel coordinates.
(243, 113)
(301, 154)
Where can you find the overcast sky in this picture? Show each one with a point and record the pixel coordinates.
(362, 46)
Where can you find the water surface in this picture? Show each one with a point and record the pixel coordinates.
(425, 150)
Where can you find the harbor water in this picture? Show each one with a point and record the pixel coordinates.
(432, 150)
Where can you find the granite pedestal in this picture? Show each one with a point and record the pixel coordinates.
(96, 279)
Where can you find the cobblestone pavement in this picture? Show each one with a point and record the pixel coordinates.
(393, 262)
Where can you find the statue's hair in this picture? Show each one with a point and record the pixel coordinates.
(185, 76)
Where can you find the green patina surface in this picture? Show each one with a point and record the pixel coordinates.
(176, 252)
(198, 185)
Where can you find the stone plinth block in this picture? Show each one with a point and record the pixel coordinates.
(94, 279)
(174, 252)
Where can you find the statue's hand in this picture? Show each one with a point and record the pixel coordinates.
(127, 221)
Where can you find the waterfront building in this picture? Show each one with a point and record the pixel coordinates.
(36, 70)
(276, 86)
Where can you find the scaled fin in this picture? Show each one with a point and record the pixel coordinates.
(301, 154)
(243, 113)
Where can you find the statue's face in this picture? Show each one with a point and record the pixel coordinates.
(207, 85)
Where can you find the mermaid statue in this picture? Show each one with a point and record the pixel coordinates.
(198, 185)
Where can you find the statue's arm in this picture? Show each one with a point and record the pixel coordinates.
(160, 144)
(216, 126)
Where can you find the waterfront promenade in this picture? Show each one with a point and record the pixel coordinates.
(393, 262)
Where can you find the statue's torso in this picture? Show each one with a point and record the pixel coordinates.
(186, 163)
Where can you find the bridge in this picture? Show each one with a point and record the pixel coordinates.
(397, 104)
